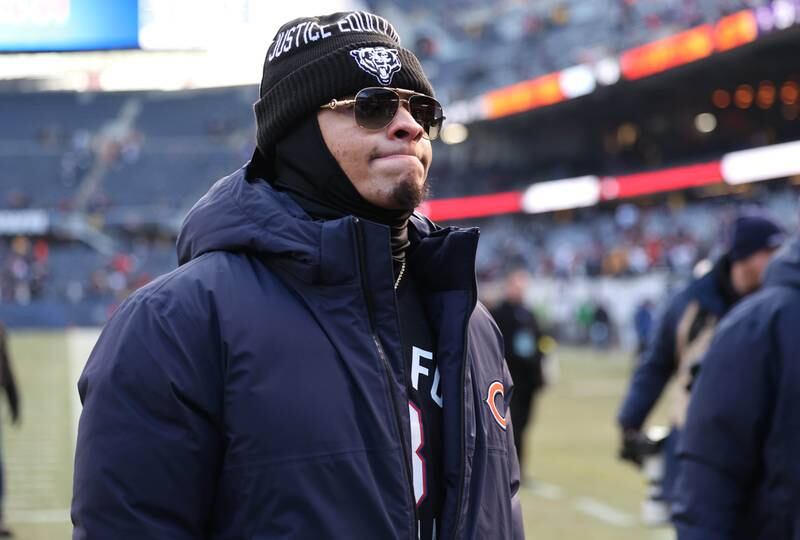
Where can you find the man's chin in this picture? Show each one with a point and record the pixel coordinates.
(409, 194)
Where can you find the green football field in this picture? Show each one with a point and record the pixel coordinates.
(579, 490)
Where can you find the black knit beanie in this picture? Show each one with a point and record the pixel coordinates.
(312, 60)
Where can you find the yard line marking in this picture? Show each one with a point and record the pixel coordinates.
(80, 342)
(39, 516)
(545, 490)
(604, 512)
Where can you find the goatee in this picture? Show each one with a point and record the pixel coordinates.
(408, 195)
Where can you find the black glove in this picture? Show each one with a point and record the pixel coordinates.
(636, 446)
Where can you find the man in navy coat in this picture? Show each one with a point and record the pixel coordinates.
(318, 366)
(681, 337)
(740, 450)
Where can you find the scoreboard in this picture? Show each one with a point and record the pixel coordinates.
(68, 25)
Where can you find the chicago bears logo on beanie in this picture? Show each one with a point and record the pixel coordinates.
(312, 60)
(381, 62)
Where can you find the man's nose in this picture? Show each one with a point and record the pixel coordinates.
(403, 126)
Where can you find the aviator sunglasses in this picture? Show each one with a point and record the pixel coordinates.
(375, 108)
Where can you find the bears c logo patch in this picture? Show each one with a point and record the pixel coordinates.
(496, 389)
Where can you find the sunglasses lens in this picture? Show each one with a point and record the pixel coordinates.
(428, 113)
(375, 107)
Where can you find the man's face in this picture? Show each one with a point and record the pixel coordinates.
(388, 166)
(516, 284)
(748, 273)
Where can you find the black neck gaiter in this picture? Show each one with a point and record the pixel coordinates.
(305, 169)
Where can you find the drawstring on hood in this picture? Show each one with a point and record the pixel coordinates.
(304, 168)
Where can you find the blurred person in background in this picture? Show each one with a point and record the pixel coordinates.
(318, 366)
(9, 386)
(683, 334)
(740, 448)
(522, 338)
(601, 330)
(643, 324)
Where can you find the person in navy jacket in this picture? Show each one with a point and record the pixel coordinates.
(318, 365)
(740, 450)
(684, 331)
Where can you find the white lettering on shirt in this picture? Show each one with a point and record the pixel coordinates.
(416, 365)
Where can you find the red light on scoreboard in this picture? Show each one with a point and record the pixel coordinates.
(471, 207)
(524, 96)
(668, 53)
(735, 30)
(636, 185)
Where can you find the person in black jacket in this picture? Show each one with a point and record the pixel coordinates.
(682, 335)
(522, 340)
(740, 449)
(9, 386)
(318, 366)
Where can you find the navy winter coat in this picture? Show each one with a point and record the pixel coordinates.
(700, 305)
(256, 392)
(740, 451)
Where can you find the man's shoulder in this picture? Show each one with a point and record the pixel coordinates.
(702, 287)
(213, 272)
(483, 325)
(763, 308)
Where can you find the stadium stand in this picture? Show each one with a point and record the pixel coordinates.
(115, 171)
(471, 47)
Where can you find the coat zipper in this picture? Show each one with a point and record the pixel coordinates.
(387, 370)
(464, 367)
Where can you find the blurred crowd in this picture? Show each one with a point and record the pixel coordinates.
(470, 47)
(129, 175)
(24, 269)
(626, 241)
(83, 152)
(51, 269)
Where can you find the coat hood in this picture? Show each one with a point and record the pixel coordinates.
(237, 215)
(785, 267)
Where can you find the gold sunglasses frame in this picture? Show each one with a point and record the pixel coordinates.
(337, 103)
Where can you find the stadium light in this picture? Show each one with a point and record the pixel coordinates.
(736, 30)
(786, 14)
(705, 122)
(789, 93)
(627, 134)
(668, 53)
(524, 96)
(765, 97)
(607, 71)
(766, 163)
(721, 99)
(743, 97)
(454, 133)
(577, 81)
(562, 194)
(466, 111)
